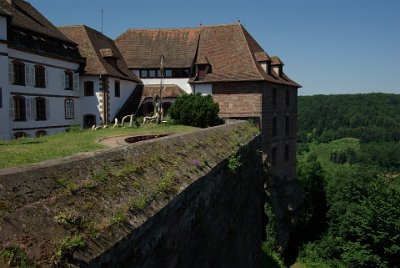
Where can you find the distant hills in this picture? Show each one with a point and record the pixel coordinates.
(369, 117)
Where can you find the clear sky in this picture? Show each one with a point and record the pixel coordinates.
(328, 46)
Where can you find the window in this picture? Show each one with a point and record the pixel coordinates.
(287, 97)
(201, 71)
(168, 73)
(19, 73)
(41, 133)
(19, 135)
(274, 126)
(156, 73)
(112, 61)
(40, 76)
(88, 88)
(68, 78)
(117, 92)
(144, 73)
(152, 73)
(1, 97)
(69, 109)
(273, 156)
(287, 124)
(40, 109)
(19, 108)
(286, 153)
(274, 97)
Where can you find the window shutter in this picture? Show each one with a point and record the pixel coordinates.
(46, 78)
(27, 75)
(47, 109)
(76, 82)
(28, 109)
(62, 78)
(11, 72)
(33, 108)
(32, 75)
(12, 109)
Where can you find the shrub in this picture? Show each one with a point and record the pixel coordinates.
(16, 257)
(195, 110)
(234, 163)
(66, 247)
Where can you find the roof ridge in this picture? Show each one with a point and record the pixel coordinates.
(98, 55)
(184, 28)
(72, 26)
(242, 29)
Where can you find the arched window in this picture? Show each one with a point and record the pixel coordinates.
(287, 124)
(40, 108)
(69, 109)
(274, 97)
(88, 88)
(287, 97)
(273, 160)
(19, 135)
(287, 153)
(18, 73)
(274, 126)
(19, 108)
(41, 133)
(40, 76)
(68, 80)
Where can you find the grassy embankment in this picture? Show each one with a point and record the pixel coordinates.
(34, 150)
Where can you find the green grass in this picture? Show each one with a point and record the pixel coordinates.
(66, 247)
(323, 152)
(16, 257)
(34, 150)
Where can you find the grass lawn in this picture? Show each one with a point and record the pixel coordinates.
(323, 152)
(33, 150)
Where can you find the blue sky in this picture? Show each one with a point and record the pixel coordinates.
(328, 46)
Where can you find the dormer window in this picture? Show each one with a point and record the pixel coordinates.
(112, 61)
(201, 71)
(203, 68)
(264, 60)
(109, 56)
(277, 66)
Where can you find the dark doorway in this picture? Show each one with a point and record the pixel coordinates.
(89, 120)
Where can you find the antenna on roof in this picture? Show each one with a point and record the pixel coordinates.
(102, 14)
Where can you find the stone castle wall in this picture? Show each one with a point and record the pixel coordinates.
(171, 202)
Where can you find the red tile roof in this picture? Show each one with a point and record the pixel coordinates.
(143, 48)
(231, 51)
(25, 16)
(276, 61)
(169, 91)
(96, 47)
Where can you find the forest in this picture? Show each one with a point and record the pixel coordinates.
(348, 162)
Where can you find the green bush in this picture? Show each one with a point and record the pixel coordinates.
(195, 110)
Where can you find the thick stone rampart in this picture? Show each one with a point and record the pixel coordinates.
(188, 200)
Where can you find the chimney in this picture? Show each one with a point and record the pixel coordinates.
(11, 2)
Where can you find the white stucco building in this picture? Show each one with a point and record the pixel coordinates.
(106, 82)
(40, 85)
